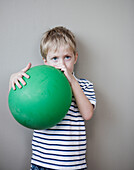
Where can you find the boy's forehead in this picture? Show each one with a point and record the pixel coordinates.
(61, 49)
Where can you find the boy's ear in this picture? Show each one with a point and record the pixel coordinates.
(76, 57)
(45, 61)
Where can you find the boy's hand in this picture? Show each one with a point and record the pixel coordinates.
(67, 73)
(16, 78)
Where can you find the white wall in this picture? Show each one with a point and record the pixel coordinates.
(104, 32)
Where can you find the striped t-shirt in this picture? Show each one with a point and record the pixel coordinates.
(63, 147)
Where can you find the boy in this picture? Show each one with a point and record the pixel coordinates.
(62, 147)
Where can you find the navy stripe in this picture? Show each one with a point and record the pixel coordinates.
(58, 160)
(74, 106)
(62, 134)
(73, 120)
(68, 140)
(89, 90)
(58, 144)
(89, 93)
(65, 130)
(60, 165)
(76, 111)
(70, 125)
(52, 149)
(91, 96)
(53, 154)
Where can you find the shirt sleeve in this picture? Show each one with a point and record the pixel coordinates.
(88, 90)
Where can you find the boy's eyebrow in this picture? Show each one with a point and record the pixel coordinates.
(58, 56)
(53, 56)
(68, 54)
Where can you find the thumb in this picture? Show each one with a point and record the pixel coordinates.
(27, 67)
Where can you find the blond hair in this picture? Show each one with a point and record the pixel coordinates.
(56, 37)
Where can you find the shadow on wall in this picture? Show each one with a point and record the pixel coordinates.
(100, 131)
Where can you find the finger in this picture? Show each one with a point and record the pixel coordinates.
(26, 75)
(22, 81)
(27, 67)
(18, 84)
(13, 86)
(63, 69)
(59, 68)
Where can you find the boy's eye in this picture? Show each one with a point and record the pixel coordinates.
(67, 57)
(54, 58)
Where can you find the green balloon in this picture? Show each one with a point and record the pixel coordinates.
(43, 101)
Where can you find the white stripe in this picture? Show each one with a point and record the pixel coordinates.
(73, 118)
(73, 112)
(72, 123)
(54, 132)
(62, 137)
(56, 152)
(60, 157)
(70, 127)
(54, 142)
(67, 148)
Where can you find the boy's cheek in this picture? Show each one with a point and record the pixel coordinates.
(53, 65)
(49, 64)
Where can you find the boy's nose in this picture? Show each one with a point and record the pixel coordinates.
(62, 62)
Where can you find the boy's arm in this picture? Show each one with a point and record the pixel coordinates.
(85, 107)
(16, 78)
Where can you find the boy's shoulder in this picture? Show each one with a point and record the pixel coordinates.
(84, 82)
